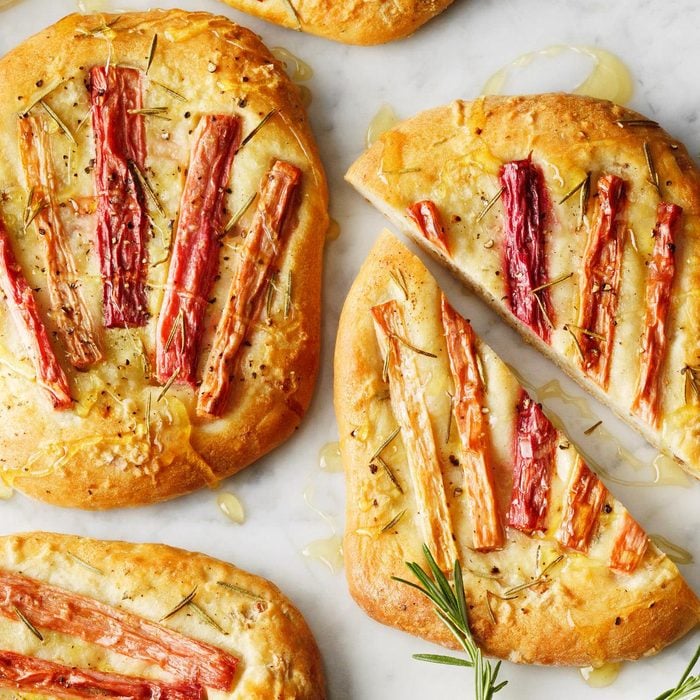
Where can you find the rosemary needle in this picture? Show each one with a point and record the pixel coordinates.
(688, 687)
(28, 624)
(451, 607)
(185, 601)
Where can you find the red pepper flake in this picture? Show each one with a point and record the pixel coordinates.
(428, 219)
(260, 250)
(658, 297)
(473, 427)
(28, 674)
(70, 312)
(52, 608)
(535, 450)
(630, 546)
(600, 281)
(122, 221)
(525, 207)
(195, 257)
(584, 499)
(25, 314)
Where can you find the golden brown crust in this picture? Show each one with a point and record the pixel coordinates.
(98, 454)
(362, 22)
(452, 155)
(277, 652)
(585, 614)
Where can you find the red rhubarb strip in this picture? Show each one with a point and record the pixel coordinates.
(259, 252)
(410, 408)
(658, 297)
(428, 220)
(70, 312)
(195, 257)
(472, 424)
(25, 314)
(630, 546)
(28, 674)
(600, 281)
(49, 607)
(535, 448)
(525, 209)
(122, 221)
(584, 499)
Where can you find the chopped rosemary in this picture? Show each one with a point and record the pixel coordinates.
(146, 185)
(170, 91)
(385, 367)
(449, 418)
(576, 343)
(384, 445)
(28, 624)
(205, 617)
(257, 128)
(542, 578)
(295, 13)
(59, 122)
(31, 214)
(559, 279)
(583, 199)
(540, 303)
(239, 213)
(288, 296)
(394, 521)
(84, 564)
(271, 289)
(239, 589)
(592, 428)
(692, 383)
(490, 204)
(179, 322)
(622, 123)
(151, 52)
(167, 385)
(450, 605)
(148, 416)
(688, 687)
(388, 471)
(585, 331)
(185, 601)
(151, 112)
(400, 281)
(410, 346)
(491, 594)
(573, 191)
(653, 174)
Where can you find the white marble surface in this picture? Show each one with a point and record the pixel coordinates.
(451, 57)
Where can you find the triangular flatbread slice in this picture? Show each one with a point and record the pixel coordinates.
(577, 220)
(442, 446)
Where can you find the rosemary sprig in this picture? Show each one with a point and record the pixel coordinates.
(28, 624)
(151, 52)
(490, 204)
(185, 601)
(239, 213)
(653, 174)
(451, 607)
(442, 659)
(59, 122)
(688, 687)
(257, 128)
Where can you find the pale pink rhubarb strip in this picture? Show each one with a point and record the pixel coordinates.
(260, 249)
(52, 608)
(427, 217)
(195, 256)
(25, 314)
(630, 546)
(73, 321)
(27, 674)
(600, 281)
(469, 403)
(122, 221)
(583, 501)
(662, 269)
(411, 412)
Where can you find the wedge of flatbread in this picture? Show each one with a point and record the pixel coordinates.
(348, 21)
(577, 220)
(159, 189)
(442, 446)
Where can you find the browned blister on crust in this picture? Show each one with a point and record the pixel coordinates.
(85, 617)
(580, 585)
(616, 231)
(109, 124)
(350, 21)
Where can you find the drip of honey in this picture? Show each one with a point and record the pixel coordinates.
(333, 230)
(601, 676)
(88, 6)
(554, 390)
(306, 96)
(383, 120)
(674, 552)
(329, 551)
(609, 78)
(329, 458)
(669, 472)
(6, 491)
(231, 507)
(297, 70)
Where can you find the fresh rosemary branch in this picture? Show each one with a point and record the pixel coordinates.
(688, 687)
(451, 607)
